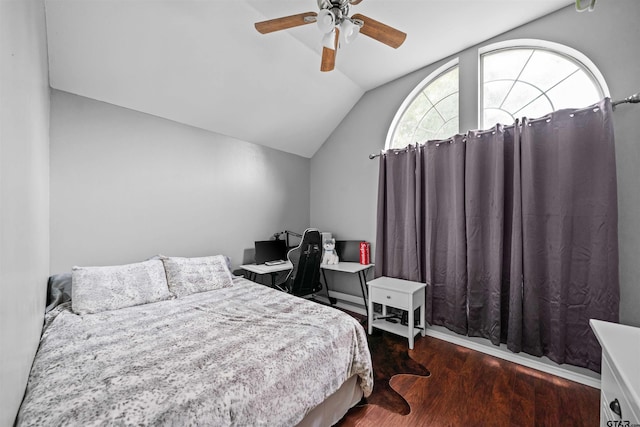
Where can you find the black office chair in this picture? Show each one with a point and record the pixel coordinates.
(304, 278)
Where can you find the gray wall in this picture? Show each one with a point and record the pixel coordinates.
(126, 186)
(24, 194)
(344, 181)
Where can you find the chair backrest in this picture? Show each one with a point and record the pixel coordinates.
(304, 277)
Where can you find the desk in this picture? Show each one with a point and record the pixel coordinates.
(344, 267)
(260, 269)
(352, 268)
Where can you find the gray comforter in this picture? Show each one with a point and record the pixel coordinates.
(245, 355)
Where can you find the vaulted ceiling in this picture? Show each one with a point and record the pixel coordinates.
(202, 63)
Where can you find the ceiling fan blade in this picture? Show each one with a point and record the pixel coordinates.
(355, 1)
(285, 22)
(328, 59)
(381, 32)
(329, 55)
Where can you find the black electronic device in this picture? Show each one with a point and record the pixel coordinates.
(348, 250)
(270, 250)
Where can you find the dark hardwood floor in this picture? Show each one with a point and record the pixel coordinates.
(469, 388)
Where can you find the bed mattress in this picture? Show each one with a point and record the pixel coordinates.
(243, 355)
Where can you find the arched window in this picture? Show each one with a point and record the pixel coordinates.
(518, 78)
(429, 112)
(533, 78)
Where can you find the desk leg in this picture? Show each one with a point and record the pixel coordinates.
(363, 285)
(370, 316)
(332, 301)
(273, 279)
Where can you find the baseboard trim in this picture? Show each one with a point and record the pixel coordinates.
(572, 373)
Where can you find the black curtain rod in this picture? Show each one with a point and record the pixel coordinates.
(633, 99)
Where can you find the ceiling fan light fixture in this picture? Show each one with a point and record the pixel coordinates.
(326, 21)
(349, 31)
(329, 40)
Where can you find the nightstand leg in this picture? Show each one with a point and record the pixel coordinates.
(423, 321)
(410, 324)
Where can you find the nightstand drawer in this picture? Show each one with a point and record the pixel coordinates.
(391, 298)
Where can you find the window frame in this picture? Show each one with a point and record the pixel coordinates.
(417, 90)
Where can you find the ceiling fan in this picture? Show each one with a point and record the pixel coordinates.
(336, 25)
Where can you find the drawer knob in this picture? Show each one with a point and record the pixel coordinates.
(388, 296)
(615, 407)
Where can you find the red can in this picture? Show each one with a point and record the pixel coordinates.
(365, 248)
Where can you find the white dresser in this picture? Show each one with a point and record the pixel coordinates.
(620, 377)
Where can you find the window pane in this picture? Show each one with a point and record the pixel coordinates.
(442, 86)
(432, 122)
(538, 69)
(521, 94)
(506, 66)
(526, 82)
(433, 114)
(448, 107)
(449, 128)
(493, 116)
(575, 92)
(420, 135)
(495, 92)
(416, 111)
(537, 108)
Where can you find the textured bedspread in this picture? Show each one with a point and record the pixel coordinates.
(245, 355)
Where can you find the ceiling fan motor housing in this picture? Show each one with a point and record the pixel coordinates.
(338, 8)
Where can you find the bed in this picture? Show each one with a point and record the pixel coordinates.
(240, 354)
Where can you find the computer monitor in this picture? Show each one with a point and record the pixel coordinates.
(348, 250)
(270, 250)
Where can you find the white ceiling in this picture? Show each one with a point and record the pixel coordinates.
(202, 63)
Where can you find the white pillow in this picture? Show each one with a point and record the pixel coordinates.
(96, 289)
(187, 276)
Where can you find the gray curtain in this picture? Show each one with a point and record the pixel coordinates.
(400, 203)
(569, 233)
(514, 231)
(421, 201)
(445, 250)
(489, 208)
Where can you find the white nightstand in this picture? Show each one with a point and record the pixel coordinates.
(397, 293)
